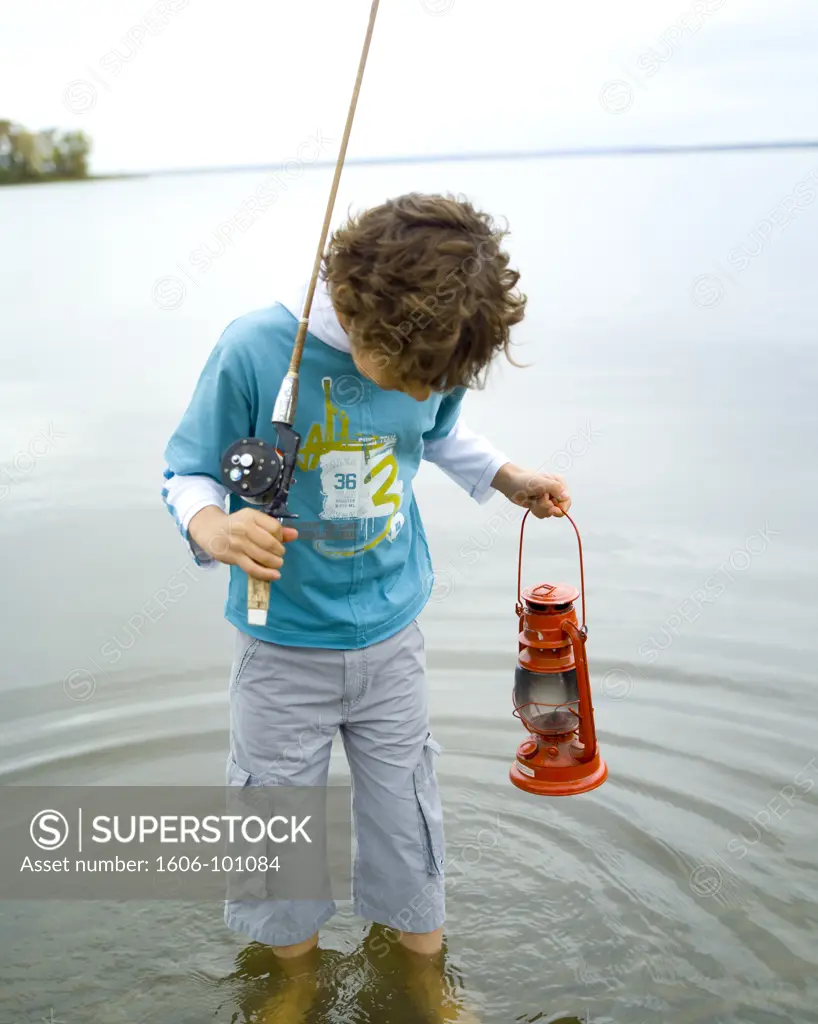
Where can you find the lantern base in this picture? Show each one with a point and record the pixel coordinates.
(546, 770)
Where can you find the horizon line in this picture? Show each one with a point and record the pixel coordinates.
(523, 154)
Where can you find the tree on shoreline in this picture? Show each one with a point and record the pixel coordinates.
(49, 155)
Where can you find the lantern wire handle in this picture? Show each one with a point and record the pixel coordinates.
(520, 567)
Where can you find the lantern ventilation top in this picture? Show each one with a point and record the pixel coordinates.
(544, 595)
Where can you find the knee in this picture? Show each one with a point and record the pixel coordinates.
(425, 943)
(296, 950)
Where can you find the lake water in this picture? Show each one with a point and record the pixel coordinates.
(671, 382)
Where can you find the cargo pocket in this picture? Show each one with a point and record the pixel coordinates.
(242, 859)
(237, 776)
(430, 812)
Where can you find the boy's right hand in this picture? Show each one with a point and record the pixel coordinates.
(250, 539)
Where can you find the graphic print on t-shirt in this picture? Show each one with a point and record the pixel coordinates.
(359, 479)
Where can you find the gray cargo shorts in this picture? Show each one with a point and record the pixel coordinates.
(286, 704)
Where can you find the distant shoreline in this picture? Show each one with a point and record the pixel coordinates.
(534, 154)
(68, 178)
(474, 157)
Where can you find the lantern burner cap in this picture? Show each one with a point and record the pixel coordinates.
(547, 595)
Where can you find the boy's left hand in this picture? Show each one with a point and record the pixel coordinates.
(544, 493)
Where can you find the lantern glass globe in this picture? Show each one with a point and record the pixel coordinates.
(547, 702)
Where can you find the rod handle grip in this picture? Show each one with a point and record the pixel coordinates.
(258, 601)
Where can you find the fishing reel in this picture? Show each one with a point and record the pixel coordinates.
(262, 474)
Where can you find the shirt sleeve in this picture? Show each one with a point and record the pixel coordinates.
(219, 413)
(184, 496)
(465, 457)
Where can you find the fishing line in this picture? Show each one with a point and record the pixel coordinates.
(252, 468)
(284, 410)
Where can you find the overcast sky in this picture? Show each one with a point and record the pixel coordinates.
(186, 83)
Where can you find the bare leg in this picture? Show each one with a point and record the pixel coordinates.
(423, 956)
(292, 1002)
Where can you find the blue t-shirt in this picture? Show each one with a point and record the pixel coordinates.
(361, 571)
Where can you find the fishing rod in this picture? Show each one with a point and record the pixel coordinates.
(251, 468)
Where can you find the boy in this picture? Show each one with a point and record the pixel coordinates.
(416, 298)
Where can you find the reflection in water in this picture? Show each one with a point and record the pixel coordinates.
(377, 982)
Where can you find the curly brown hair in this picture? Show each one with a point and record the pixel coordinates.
(422, 284)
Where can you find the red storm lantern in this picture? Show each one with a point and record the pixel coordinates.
(552, 691)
